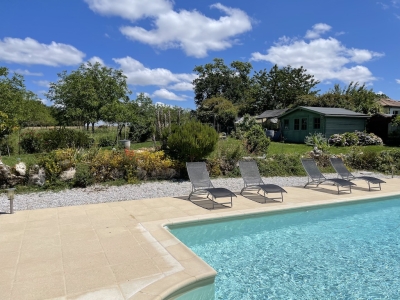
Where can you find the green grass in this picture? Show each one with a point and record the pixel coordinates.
(285, 148)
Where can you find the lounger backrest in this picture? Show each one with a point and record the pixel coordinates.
(311, 168)
(340, 168)
(249, 172)
(198, 175)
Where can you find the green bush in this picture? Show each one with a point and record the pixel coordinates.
(83, 177)
(281, 165)
(65, 138)
(106, 141)
(256, 140)
(32, 141)
(351, 139)
(191, 141)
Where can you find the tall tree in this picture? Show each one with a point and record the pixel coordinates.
(219, 80)
(12, 96)
(218, 110)
(280, 87)
(82, 93)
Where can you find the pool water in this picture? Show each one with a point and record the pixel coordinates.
(349, 251)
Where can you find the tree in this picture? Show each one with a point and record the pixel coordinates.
(12, 94)
(142, 123)
(81, 94)
(354, 97)
(219, 80)
(218, 110)
(280, 87)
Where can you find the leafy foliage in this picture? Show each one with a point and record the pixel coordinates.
(82, 94)
(317, 140)
(256, 140)
(360, 138)
(191, 141)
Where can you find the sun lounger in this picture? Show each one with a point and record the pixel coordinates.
(201, 183)
(344, 173)
(316, 177)
(252, 179)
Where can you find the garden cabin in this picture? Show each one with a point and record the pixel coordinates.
(299, 122)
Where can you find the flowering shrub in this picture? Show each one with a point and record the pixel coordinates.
(107, 165)
(359, 138)
(365, 139)
(155, 165)
(58, 161)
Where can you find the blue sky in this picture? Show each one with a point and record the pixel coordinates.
(157, 43)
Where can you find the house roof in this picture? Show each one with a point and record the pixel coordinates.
(268, 114)
(389, 103)
(329, 111)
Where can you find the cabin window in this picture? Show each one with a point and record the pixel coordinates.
(286, 124)
(395, 112)
(317, 123)
(296, 124)
(304, 124)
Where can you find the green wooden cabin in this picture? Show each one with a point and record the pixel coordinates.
(299, 122)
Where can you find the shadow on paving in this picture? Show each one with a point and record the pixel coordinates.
(260, 198)
(204, 202)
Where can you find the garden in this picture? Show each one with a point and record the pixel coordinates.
(61, 158)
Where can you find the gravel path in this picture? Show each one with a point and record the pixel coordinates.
(101, 194)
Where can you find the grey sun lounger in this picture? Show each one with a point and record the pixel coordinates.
(316, 177)
(201, 183)
(252, 179)
(343, 172)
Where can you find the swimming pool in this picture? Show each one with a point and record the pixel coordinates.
(349, 251)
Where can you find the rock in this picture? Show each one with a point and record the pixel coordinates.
(15, 180)
(20, 169)
(37, 176)
(5, 173)
(68, 174)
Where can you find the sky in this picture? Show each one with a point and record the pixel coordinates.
(158, 43)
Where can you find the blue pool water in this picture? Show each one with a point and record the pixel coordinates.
(339, 252)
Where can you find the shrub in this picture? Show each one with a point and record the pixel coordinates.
(106, 141)
(83, 177)
(56, 162)
(317, 140)
(31, 141)
(281, 165)
(365, 139)
(256, 140)
(360, 138)
(65, 138)
(154, 165)
(191, 141)
(350, 139)
(107, 165)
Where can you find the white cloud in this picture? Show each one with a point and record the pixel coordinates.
(96, 59)
(27, 72)
(130, 9)
(31, 52)
(326, 59)
(182, 86)
(191, 31)
(44, 83)
(317, 30)
(138, 74)
(398, 81)
(165, 94)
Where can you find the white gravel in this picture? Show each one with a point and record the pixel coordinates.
(102, 194)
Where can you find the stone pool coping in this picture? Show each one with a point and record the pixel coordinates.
(121, 250)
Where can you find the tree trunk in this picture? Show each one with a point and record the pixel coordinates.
(93, 127)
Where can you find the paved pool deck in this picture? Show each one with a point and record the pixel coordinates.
(120, 250)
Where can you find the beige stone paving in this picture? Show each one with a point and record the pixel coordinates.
(120, 250)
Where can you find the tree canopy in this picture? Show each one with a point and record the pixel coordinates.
(83, 93)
